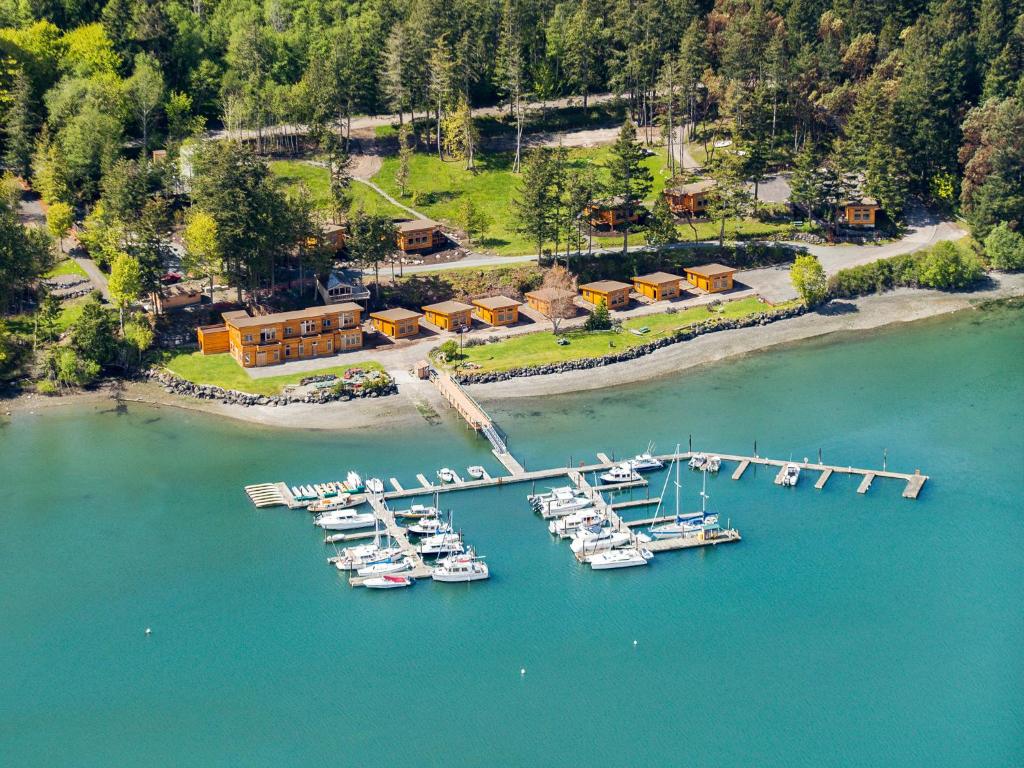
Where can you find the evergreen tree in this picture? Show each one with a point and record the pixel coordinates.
(629, 179)
(661, 226)
(600, 318)
(534, 202)
(19, 127)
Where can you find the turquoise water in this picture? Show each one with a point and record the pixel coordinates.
(844, 630)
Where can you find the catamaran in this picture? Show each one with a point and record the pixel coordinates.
(620, 558)
(441, 544)
(459, 568)
(620, 473)
(565, 505)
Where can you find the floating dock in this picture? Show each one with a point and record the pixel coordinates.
(420, 570)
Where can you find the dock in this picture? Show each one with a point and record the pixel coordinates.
(420, 570)
(726, 536)
(823, 478)
(738, 473)
(914, 485)
(866, 483)
(267, 495)
(636, 503)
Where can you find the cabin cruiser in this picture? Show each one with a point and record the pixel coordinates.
(539, 498)
(563, 506)
(343, 501)
(620, 558)
(597, 538)
(701, 461)
(430, 526)
(387, 582)
(458, 568)
(446, 475)
(417, 512)
(382, 567)
(565, 527)
(345, 520)
(476, 472)
(353, 558)
(441, 544)
(620, 473)
(375, 485)
(791, 475)
(645, 462)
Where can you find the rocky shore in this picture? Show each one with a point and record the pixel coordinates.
(686, 334)
(176, 385)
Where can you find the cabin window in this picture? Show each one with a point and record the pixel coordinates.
(288, 351)
(328, 346)
(267, 334)
(288, 331)
(327, 322)
(248, 338)
(307, 326)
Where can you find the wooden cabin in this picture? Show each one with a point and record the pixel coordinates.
(418, 235)
(334, 236)
(397, 323)
(496, 310)
(176, 296)
(449, 315)
(544, 300)
(658, 286)
(689, 199)
(343, 285)
(712, 278)
(277, 338)
(860, 212)
(614, 294)
(610, 213)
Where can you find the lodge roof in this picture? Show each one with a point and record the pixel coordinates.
(395, 315)
(495, 302)
(657, 278)
(240, 319)
(693, 188)
(447, 307)
(605, 286)
(710, 270)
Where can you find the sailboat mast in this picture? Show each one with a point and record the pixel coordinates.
(677, 483)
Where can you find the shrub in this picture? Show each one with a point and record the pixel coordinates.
(599, 320)
(947, 267)
(1005, 248)
(449, 350)
(808, 278)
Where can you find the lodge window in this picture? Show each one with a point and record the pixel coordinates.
(307, 326)
(267, 334)
(248, 338)
(327, 323)
(288, 331)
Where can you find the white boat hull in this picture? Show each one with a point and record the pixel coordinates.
(455, 578)
(347, 523)
(382, 569)
(620, 558)
(381, 582)
(591, 545)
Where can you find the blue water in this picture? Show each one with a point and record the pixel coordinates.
(844, 630)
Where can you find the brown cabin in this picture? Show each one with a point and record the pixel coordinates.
(496, 310)
(418, 235)
(177, 296)
(712, 278)
(397, 323)
(610, 213)
(614, 294)
(658, 285)
(449, 315)
(543, 300)
(860, 212)
(689, 199)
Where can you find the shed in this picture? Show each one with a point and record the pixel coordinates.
(177, 296)
(213, 339)
(449, 315)
(860, 212)
(496, 310)
(689, 198)
(658, 285)
(712, 278)
(397, 323)
(544, 299)
(613, 293)
(418, 235)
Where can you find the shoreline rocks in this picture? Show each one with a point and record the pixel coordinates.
(176, 385)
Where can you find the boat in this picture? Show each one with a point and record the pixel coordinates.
(645, 462)
(476, 472)
(684, 525)
(791, 475)
(598, 538)
(566, 526)
(698, 460)
(713, 464)
(387, 582)
(539, 498)
(354, 558)
(620, 473)
(385, 566)
(620, 558)
(441, 544)
(345, 520)
(417, 512)
(353, 482)
(375, 485)
(446, 475)
(430, 526)
(458, 568)
(344, 501)
(563, 506)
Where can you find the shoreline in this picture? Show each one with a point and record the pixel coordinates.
(905, 305)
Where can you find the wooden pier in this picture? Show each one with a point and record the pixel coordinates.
(823, 478)
(738, 473)
(420, 570)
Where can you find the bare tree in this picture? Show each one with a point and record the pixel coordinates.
(559, 292)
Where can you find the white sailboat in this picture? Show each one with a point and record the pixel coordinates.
(385, 566)
(563, 506)
(597, 539)
(689, 524)
(387, 582)
(430, 526)
(620, 558)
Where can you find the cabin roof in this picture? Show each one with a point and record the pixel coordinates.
(348, 306)
(495, 302)
(710, 270)
(344, 277)
(447, 307)
(395, 315)
(866, 201)
(549, 294)
(605, 286)
(242, 320)
(693, 188)
(657, 278)
(416, 225)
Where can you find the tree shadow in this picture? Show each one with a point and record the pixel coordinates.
(492, 242)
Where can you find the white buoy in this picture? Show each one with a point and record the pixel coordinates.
(149, 631)
(634, 642)
(522, 671)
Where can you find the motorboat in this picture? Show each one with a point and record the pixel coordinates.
(446, 475)
(791, 475)
(339, 502)
(698, 460)
(713, 464)
(540, 498)
(353, 482)
(351, 560)
(566, 526)
(375, 486)
(620, 558)
(645, 462)
(476, 472)
(441, 544)
(345, 520)
(385, 566)
(387, 582)
(417, 512)
(598, 538)
(458, 568)
(564, 506)
(430, 526)
(620, 473)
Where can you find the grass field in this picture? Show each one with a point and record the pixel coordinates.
(541, 348)
(66, 267)
(70, 311)
(318, 182)
(222, 371)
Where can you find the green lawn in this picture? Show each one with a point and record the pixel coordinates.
(66, 267)
(318, 182)
(541, 348)
(70, 311)
(223, 371)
